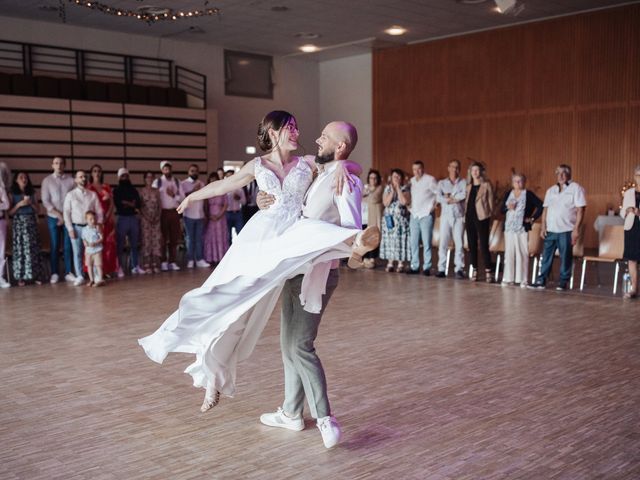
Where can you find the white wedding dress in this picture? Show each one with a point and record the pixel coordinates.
(221, 321)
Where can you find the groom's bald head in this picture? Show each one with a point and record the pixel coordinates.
(337, 141)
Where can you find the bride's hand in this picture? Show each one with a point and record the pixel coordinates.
(342, 177)
(184, 205)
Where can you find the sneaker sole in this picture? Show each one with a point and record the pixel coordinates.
(295, 428)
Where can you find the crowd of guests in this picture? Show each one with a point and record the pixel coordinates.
(81, 213)
(111, 232)
(406, 212)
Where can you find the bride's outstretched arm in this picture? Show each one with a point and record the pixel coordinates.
(215, 189)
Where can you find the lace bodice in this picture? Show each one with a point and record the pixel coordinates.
(289, 195)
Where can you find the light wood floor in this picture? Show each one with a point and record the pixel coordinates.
(431, 379)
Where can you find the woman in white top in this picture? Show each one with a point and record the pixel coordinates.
(631, 213)
(4, 215)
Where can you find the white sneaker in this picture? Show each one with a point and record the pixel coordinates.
(70, 277)
(138, 271)
(121, 273)
(78, 281)
(279, 419)
(330, 430)
(523, 285)
(190, 264)
(202, 264)
(4, 283)
(173, 267)
(164, 266)
(54, 278)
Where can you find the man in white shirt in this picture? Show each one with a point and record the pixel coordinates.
(170, 197)
(77, 203)
(452, 192)
(562, 217)
(53, 190)
(193, 218)
(235, 202)
(424, 190)
(303, 372)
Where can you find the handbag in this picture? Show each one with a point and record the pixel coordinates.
(388, 219)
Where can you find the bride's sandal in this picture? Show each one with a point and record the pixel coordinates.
(367, 240)
(211, 399)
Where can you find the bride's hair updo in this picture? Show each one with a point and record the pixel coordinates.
(275, 120)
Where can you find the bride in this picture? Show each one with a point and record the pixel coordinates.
(221, 321)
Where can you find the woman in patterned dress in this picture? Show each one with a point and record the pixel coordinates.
(105, 195)
(216, 236)
(150, 223)
(395, 223)
(27, 264)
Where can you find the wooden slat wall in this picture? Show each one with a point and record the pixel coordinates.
(526, 98)
(34, 130)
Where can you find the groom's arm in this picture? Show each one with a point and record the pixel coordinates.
(350, 204)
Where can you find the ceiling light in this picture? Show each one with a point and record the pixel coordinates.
(396, 30)
(503, 6)
(250, 150)
(309, 48)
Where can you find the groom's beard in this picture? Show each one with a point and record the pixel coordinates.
(322, 159)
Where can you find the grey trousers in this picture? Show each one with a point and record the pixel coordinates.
(303, 372)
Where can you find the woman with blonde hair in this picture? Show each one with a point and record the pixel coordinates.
(479, 208)
(630, 211)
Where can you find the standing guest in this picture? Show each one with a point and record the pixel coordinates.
(193, 217)
(92, 240)
(5, 206)
(372, 199)
(452, 192)
(631, 213)
(235, 200)
(251, 207)
(220, 173)
(53, 190)
(479, 207)
(150, 214)
(395, 226)
(27, 264)
(424, 191)
(216, 237)
(76, 205)
(128, 204)
(521, 208)
(564, 206)
(170, 197)
(105, 196)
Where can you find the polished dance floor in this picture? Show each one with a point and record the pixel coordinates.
(431, 379)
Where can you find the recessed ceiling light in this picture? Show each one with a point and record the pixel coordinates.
(396, 30)
(309, 48)
(244, 62)
(250, 150)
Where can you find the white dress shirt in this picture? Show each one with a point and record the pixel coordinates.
(562, 207)
(195, 210)
(4, 205)
(423, 196)
(167, 201)
(53, 190)
(457, 190)
(77, 203)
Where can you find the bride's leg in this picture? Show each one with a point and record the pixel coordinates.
(211, 399)
(363, 242)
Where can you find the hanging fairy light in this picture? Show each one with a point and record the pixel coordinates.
(148, 17)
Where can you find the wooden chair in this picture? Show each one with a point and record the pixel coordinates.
(610, 250)
(535, 250)
(496, 244)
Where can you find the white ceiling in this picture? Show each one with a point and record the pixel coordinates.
(346, 27)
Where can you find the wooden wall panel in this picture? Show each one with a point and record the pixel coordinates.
(527, 98)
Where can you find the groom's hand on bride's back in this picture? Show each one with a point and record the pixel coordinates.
(264, 200)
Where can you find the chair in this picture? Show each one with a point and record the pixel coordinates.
(610, 250)
(496, 244)
(535, 250)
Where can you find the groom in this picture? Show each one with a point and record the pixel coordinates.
(303, 373)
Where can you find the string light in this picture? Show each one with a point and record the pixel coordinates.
(170, 14)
